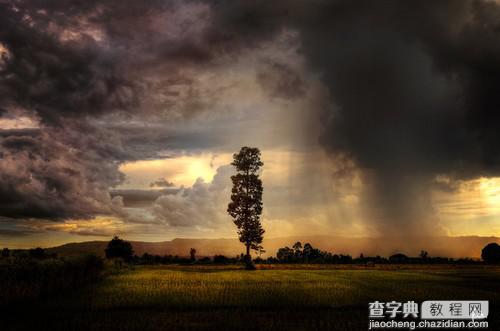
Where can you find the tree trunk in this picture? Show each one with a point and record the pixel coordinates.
(248, 259)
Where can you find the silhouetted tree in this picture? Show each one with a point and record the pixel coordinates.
(297, 250)
(205, 260)
(119, 248)
(221, 259)
(307, 254)
(311, 254)
(285, 255)
(491, 253)
(246, 200)
(192, 253)
(424, 255)
(398, 258)
(147, 259)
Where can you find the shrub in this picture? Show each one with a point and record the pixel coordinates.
(398, 258)
(119, 248)
(27, 279)
(491, 253)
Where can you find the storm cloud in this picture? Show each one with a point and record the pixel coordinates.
(65, 66)
(412, 88)
(44, 177)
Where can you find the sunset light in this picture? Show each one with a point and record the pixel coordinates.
(249, 164)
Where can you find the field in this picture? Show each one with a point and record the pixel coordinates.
(275, 297)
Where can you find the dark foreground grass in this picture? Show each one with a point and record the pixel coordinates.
(227, 298)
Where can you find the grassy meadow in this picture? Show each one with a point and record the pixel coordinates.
(277, 297)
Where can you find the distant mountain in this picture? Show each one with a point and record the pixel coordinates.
(456, 247)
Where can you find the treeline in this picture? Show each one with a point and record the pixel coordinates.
(29, 277)
(298, 254)
(308, 254)
(148, 259)
(33, 253)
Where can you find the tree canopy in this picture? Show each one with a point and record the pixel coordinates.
(246, 199)
(119, 248)
(491, 253)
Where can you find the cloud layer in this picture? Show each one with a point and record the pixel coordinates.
(412, 100)
(88, 87)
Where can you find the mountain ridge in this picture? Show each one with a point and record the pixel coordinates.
(455, 247)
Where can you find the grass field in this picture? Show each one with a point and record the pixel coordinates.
(273, 298)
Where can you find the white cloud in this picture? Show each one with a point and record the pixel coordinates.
(202, 206)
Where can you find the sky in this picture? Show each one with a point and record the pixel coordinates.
(121, 118)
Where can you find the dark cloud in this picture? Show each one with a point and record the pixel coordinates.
(141, 198)
(74, 60)
(155, 141)
(280, 80)
(53, 176)
(161, 182)
(68, 64)
(19, 143)
(414, 88)
(413, 100)
(16, 233)
(19, 132)
(54, 78)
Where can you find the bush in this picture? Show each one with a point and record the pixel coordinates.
(221, 259)
(307, 254)
(399, 258)
(27, 279)
(119, 249)
(491, 253)
(205, 260)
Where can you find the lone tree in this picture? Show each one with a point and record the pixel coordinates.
(246, 200)
(192, 254)
(119, 248)
(491, 253)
